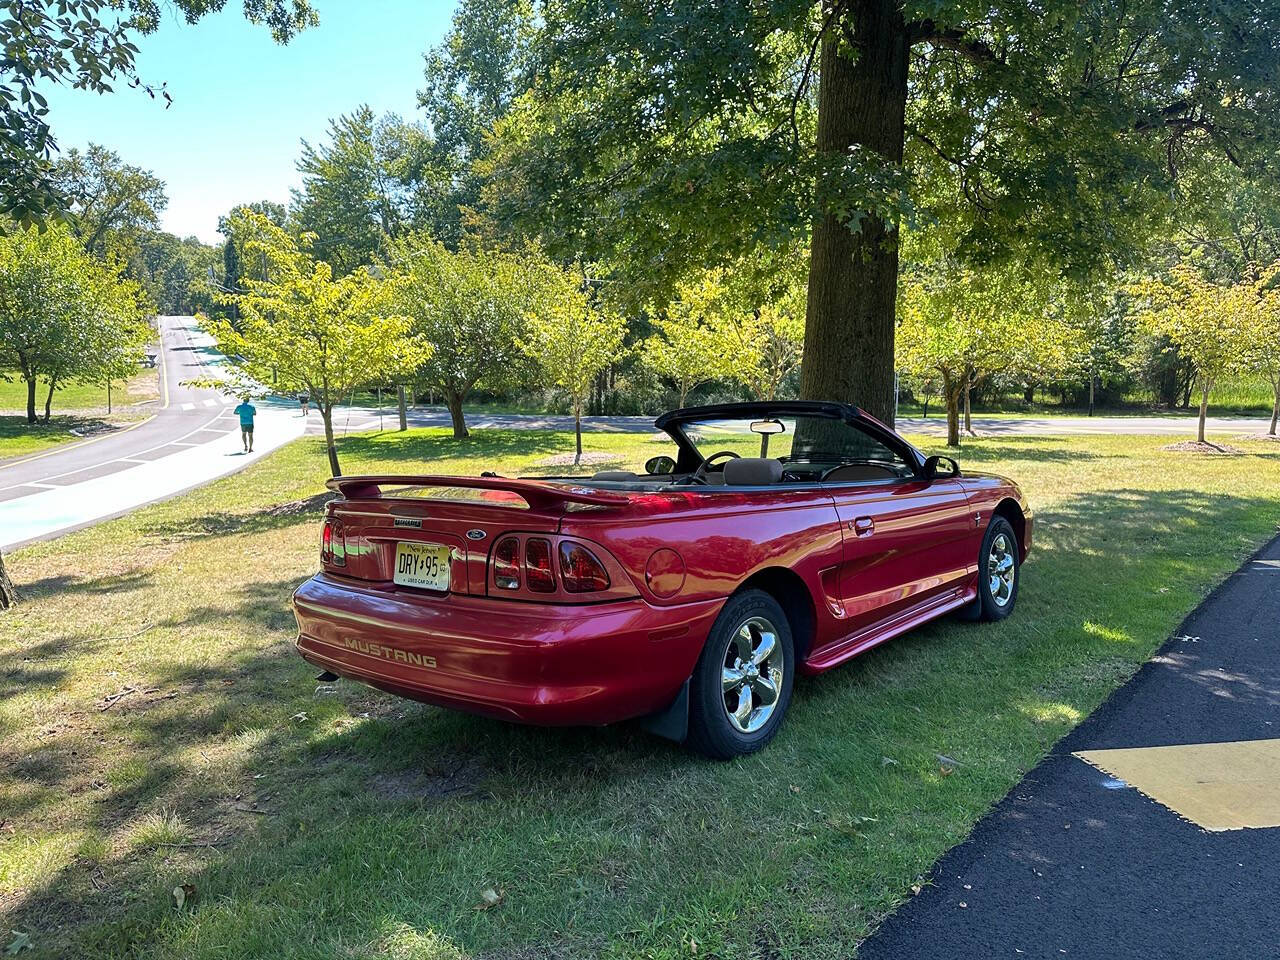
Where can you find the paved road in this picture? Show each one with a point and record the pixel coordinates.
(193, 437)
(1077, 863)
(355, 419)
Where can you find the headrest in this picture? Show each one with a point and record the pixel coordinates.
(752, 472)
(615, 475)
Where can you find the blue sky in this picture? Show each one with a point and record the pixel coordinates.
(241, 103)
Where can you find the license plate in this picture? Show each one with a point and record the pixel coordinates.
(424, 565)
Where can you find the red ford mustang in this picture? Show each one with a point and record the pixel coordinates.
(778, 538)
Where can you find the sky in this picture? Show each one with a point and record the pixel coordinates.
(242, 103)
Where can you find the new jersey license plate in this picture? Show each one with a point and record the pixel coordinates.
(424, 565)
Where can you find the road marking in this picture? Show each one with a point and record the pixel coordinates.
(1218, 786)
(210, 402)
(77, 445)
(188, 406)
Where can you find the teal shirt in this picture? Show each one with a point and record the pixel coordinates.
(246, 411)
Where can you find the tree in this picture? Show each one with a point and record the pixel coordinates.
(352, 197)
(1062, 127)
(308, 330)
(472, 77)
(961, 325)
(684, 350)
(573, 339)
(1212, 324)
(471, 307)
(63, 314)
(1263, 352)
(108, 198)
(86, 44)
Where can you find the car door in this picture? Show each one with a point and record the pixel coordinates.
(907, 543)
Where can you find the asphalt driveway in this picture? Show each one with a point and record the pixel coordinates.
(1075, 862)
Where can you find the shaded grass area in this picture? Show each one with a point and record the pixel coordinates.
(81, 408)
(158, 730)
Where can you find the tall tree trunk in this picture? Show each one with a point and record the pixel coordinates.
(400, 403)
(31, 399)
(1275, 408)
(853, 277)
(331, 446)
(1029, 394)
(951, 391)
(8, 595)
(453, 400)
(968, 413)
(48, 400)
(1204, 407)
(577, 429)
(1092, 381)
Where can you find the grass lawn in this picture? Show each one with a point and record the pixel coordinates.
(156, 729)
(143, 386)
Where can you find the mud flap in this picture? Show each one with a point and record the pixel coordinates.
(671, 722)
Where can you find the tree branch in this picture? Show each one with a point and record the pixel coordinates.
(953, 38)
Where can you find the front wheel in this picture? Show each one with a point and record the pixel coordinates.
(998, 571)
(742, 684)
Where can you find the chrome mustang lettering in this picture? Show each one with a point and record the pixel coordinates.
(388, 653)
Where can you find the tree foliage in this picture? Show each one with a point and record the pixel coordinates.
(64, 315)
(1215, 325)
(572, 339)
(87, 44)
(306, 329)
(470, 306)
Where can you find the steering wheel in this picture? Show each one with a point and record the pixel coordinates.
(700, 475)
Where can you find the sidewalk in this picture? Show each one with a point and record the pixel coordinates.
(1076, 862)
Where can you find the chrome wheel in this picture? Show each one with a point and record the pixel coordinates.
(1002, 570)
(751, 678)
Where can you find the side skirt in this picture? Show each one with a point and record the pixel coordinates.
(834, 654)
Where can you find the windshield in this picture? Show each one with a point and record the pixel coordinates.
(791, 439)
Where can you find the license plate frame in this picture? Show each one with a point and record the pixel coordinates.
(422, 566)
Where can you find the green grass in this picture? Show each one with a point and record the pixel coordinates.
(156, 729)
(145, 385)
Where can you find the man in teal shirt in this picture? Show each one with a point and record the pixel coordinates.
(246, 411)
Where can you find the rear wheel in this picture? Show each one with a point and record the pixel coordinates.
(742, 684)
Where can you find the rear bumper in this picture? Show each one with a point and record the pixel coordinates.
(534, 663)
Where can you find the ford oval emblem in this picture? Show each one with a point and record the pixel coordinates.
(476, 534)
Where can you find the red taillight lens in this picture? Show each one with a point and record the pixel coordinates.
(538, 575)
(581, 571)
(506, 563)
(333, 544)
(326, 543)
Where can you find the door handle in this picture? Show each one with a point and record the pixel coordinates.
(863, 526)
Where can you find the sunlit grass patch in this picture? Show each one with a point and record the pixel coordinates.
(154, 830)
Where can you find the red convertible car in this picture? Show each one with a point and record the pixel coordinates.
(775, 539)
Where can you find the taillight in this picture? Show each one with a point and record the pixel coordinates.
(538, 575)
(580, 570)
(506, 563)
(333, 545)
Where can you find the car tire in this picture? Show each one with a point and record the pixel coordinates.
(741, 686)
(999, 572)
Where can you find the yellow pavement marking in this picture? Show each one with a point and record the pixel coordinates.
(1218, 786)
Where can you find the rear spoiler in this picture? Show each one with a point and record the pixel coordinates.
(539, 494)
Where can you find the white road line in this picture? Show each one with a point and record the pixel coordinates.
(211, 402)
(188, 406)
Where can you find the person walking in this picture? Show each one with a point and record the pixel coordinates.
(305, 400)
(246, 411)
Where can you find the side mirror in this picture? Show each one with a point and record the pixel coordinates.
(939, 467)
(659, 466)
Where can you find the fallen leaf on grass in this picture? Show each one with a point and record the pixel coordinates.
(300, 716)
(184, 894)
(888, 761)
(21, 941)
(489, 899)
